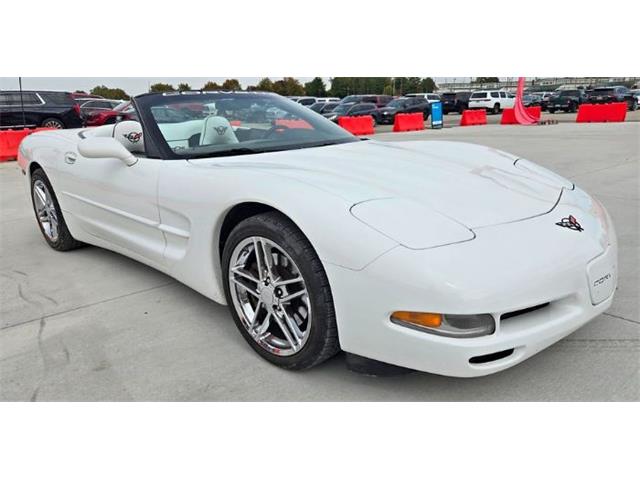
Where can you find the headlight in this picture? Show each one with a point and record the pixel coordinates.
(446, 325)
(410, 224)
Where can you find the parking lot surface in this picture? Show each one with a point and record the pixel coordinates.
(93, 325)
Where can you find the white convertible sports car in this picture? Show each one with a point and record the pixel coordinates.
(444, 257)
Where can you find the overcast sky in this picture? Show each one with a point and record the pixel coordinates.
(133, 85)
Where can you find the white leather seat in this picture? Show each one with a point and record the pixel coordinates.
(129, 134)
(217, 131)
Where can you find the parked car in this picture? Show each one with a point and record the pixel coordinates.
(613, 95)
(327, 100)
(324, 107)
(90, 106)
(446, 257)
(377, 100)
(531, 100)
(491, 100)
(566, 100)
(353, 110)
(429, 97)
(82, 95)
(404, 105)
(124, 111)
(306, 101)
(41, 109)
(455, 101)
(545, 96)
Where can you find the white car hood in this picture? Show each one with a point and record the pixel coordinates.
(474, 185)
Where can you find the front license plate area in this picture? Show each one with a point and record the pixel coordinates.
(602, 277)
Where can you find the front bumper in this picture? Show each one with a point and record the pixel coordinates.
(506, 269)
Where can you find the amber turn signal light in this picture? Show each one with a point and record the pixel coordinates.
(433, 320)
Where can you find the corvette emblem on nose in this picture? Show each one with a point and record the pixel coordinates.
(571, 223)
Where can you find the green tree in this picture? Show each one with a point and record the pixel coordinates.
(162, 87)
(343, 86)
(428, 85)
(211, 86)
(231, 84)
(265, 85)
(316, 88)
(288, 86)
(110, 93)
(184, 87)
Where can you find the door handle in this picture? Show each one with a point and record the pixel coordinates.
(70, 158)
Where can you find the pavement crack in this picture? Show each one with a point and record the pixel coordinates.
(45, 362)
(622, 318)
(51, 315)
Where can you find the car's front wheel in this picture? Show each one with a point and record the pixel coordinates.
(278, 292)
(49, 215)
(496, 109)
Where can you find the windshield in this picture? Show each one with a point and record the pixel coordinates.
(343, 108)
(213, 124)
(603, 91)
(569, 93)
(351, 99)
(396, 103)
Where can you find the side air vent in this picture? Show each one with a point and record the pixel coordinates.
(523, 311)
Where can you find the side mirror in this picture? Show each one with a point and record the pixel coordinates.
(104, 147)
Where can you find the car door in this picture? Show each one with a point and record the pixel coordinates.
(114, 202)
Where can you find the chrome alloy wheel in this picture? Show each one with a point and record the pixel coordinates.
(45, 210)
(270, 296)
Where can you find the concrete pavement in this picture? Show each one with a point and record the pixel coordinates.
(92, 325)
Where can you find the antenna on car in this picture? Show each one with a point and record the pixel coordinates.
(24, 121)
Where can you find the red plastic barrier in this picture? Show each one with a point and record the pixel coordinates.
(235, 123)
(10, 141)
(473, 117)
(602, 112)
(509, 118)
(293, 123)
(361, 125)
(407, 122)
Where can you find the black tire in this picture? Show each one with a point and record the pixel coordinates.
(634, 106)
(552, 110)
(65, 240)
(322, 342)
(496, 109)
(52, 122)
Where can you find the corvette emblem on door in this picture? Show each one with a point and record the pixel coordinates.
(571, 223)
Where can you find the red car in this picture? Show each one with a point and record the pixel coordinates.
(124, 111)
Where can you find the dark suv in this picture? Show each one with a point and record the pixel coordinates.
(455, 101)
(566, 100)
(41, 109)
(613, 95)
(404, 105)
(353, 110)
(377, 100)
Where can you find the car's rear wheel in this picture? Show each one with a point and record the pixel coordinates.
(552, 110)
(52, 123)
(48, 214)
(278, 292)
